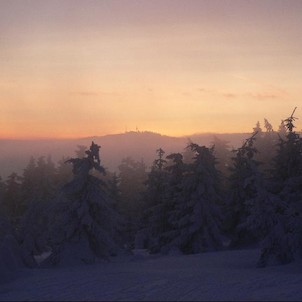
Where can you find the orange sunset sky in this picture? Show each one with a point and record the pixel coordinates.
(82, 67)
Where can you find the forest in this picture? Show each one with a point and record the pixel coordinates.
(202, 199)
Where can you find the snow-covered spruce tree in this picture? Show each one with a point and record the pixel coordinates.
(198, 218)
(154, 218)
(288, 161)
(29, 185)
(38, 189)
(83, 223)
(38, 182)
(223, 155)
(265, 220)
(132, 177)
(11, 203)
(174, 199)
(268, 222)
(266, 146)
(284, 241)
(243, 186)
(252, 210)
(282, 130)
(10, 254)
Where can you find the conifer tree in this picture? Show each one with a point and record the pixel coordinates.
(284, 240)
(39, 181)
(84, 224)
(200, 222)
(154, 218)
(30, 179)
(282, 130)
(12, 199)
(268, 126)
(176, 169)
(243, 187)
(257, 128)
(265, 143)
(5, 225)
(38, 190)
(288, 162)
(223, 155)
(132, 177)
(265, 220)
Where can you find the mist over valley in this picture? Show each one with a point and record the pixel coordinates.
(15, 154)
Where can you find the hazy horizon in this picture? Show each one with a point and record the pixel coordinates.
(125, 132)
(15, 154)
(75, 68)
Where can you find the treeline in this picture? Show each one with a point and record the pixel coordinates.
(202, 199)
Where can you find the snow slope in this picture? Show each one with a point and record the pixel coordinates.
(226, 275)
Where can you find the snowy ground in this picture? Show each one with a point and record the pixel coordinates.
(227, 275)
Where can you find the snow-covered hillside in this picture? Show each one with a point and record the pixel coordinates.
(226, 275)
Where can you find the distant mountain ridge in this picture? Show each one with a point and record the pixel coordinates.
(15, 154)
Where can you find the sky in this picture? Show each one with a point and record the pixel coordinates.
(76, 68)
